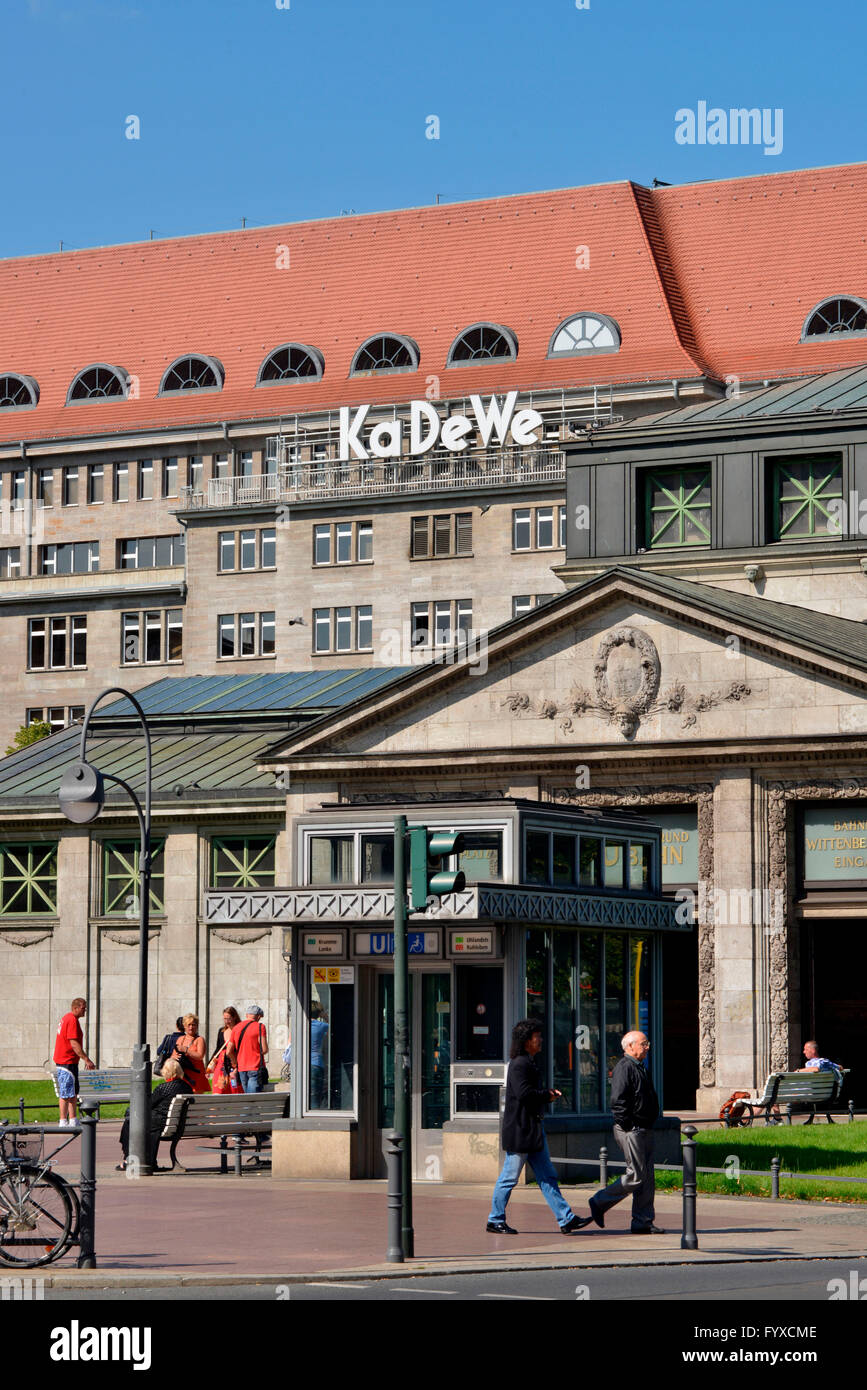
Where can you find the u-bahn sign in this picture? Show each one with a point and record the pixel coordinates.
(427, 428)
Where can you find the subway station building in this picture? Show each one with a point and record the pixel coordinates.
(575, 482)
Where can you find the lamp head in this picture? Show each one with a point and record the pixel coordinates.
(82, 793)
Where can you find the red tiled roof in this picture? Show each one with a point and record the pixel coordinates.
(714, 277)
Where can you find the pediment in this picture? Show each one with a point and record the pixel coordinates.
(616, 661)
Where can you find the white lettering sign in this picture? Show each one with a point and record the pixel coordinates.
(427, 428)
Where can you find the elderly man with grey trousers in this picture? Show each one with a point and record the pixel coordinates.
(635, 1108)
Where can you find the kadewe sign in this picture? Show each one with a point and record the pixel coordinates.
(426, 428)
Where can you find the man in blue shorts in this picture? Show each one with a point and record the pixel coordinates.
(68, 1052)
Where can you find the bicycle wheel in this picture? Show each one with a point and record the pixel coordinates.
(36, 1215)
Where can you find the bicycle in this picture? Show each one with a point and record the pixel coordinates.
(39, 1210)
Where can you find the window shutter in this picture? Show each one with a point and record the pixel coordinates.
(464, 533)
(442, 535)
(419, 537)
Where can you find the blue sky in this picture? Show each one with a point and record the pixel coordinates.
(278, 114)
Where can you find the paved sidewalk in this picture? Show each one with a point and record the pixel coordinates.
(206, 1227)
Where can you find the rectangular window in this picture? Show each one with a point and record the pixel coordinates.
(196, 472)
(544, 528)
(226, 634)
(481, 858)
(364, 539)
(807, 496)
(331, 1046)
(464, 533)
(19, 489)
(146, 480)
(149, 552)
(170, 477)
(377, 859)
(521, 604)
(45, 487)
(267, 634)
(28, 879)
(463, 618)
(269, 547)
(563, 859)
(364, 628)
(343, 629)
(35, 716)
(438, 536)
(677, 506)
(419, 537)
(10, 562)
(121, 877)
(247, 634)
(70, 487)
(248, 549)
(613, 864)
(343, 543)
(152, 637)
(76, 557)
(322, 545)
(590, 862)
(226, 543)
(442, 623)
(332, 859)
(36, 629)
(562, 528)
(536, 856)
(442, 535)
(121, 482)
(522, 534)
(94, 482)
(56, 643)
(639, 867)
(221, 465)
(420, 624)
(245, 463)
(322, 629)
(243, 861)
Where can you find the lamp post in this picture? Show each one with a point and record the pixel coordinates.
(82, 796)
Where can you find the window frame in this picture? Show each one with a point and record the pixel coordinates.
(73, 633)
(36, 859)
(139, 617)
(241, 625)
(329, 622)
(647, 478)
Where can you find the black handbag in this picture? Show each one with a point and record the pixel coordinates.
(262, 1069)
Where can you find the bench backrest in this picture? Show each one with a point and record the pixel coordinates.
(202, 1116)
(810, 1087)
(105, 1083)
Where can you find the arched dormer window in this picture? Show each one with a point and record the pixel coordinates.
(192, 373)
(386, 352)
(584, 333)
(292, 362)
(483, 342)
(845, 315)
(99, 382)
(18, 392)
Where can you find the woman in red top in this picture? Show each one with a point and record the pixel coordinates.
(224, 1078)
(190, 1048)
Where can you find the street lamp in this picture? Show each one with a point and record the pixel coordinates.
(82, 796)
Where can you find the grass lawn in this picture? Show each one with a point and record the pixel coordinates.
(41, 1093)
(839, 1149)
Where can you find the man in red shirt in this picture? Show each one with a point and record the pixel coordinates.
(248, 1047)
(68, 1052)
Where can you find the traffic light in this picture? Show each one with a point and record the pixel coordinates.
(428, 877)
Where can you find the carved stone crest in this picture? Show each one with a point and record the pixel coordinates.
(626, 675)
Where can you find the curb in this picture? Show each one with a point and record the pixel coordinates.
(92, 1279)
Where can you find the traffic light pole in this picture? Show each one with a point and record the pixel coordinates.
(402, 1055)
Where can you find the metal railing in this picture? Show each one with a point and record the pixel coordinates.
(329, 479)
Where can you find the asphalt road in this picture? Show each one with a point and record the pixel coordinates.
(800, 1281)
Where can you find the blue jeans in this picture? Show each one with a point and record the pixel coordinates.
(250, 1081)
(543, 1171)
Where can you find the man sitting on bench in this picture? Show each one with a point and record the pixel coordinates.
(817, 1063)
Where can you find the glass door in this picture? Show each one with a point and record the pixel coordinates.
(430, 1037)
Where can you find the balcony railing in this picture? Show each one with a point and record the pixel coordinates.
(303, 482)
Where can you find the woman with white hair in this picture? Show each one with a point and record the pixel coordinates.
(174, 1084)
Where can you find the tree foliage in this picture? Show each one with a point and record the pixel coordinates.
(27, 734)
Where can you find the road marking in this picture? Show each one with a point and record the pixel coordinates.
(446, 1293)
(524, 1297)
(311, 1284)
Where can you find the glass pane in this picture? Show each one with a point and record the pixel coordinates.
(321, 629)
(436, 1048)
(615, 1004)
(331, 859)
(563, 1018)
(226, 631)
(591, 859)
(564, 860)
(248, 550)
(163, 550)
(537, 976)
(343, 629)
(545, 528)
(267, 630)
(365, 540)
(385, 1017)
(344, 542)
(331, 1047)
(521, 530)
(269, 548)
(174, 634)
(247, 627)
(588, 1040)
(377, 858)
(243, 862)
(152, 636)
(364, 640)
(481, 859)
(639, 866)
(322, 545)
(131, 637)
(479, 1006)
(613, 864)
(536, 857)
(639, 984)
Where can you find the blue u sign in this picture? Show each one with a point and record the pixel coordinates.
(382, 944)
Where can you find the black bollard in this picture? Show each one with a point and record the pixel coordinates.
(603, 1167)
(87, 1221)
(394, 1162)
(775, 1177)
(789, 1113)
(851, 1111)
(689, 1239)
(21, 1119)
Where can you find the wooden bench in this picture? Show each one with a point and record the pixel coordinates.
(107, 1084)
(814, 1089)
(223, 1117)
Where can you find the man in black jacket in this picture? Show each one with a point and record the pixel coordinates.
(635, 1109)
(524, 1134)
